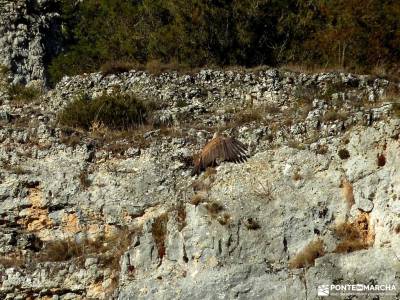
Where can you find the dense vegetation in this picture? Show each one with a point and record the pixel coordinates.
(353, 34)
(117, 111)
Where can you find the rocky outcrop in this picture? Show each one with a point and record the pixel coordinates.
(87, 216)
(29, 36)
(293, 106)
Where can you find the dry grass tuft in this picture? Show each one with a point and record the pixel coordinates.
(251, 224)
(107, 248)
(181, 216)
(198, 198)
(118, 141)
(263, 190)
(84, 180)
(204, 185)
(322, 149)
(70, 137)
(225, 219)
(247, 116)
(159, 232)
(354, 236)
(296, 145)
(307, 256)
(65, 250)
(332, 115)
(297, 176)
(214, 208)
(270, 109)
(11, 261)
(347, 191)
(210, 172)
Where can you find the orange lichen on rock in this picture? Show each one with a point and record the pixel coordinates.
(96, 291)
(70, 223)
(37, 217)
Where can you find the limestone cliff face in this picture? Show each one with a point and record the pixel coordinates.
(29, 33)
(103, 215)
(84, 215)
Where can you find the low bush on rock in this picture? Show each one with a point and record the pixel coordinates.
(108, 249)
(251, 224)
(344, 154)
(381, 160)
(214, 208)
(118, 111)
(23, 94)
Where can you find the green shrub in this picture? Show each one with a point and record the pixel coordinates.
(118, 111)
(181, 103)
(23, 94)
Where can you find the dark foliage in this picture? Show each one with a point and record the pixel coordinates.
(344, 154)
(351, 34)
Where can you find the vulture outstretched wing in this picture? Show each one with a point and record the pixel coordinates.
(220, 149)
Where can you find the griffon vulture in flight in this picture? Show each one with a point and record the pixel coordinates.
(219, 149)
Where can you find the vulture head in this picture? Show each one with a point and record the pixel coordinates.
(220, 148)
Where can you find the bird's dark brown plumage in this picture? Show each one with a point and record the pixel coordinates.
(219, 149)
